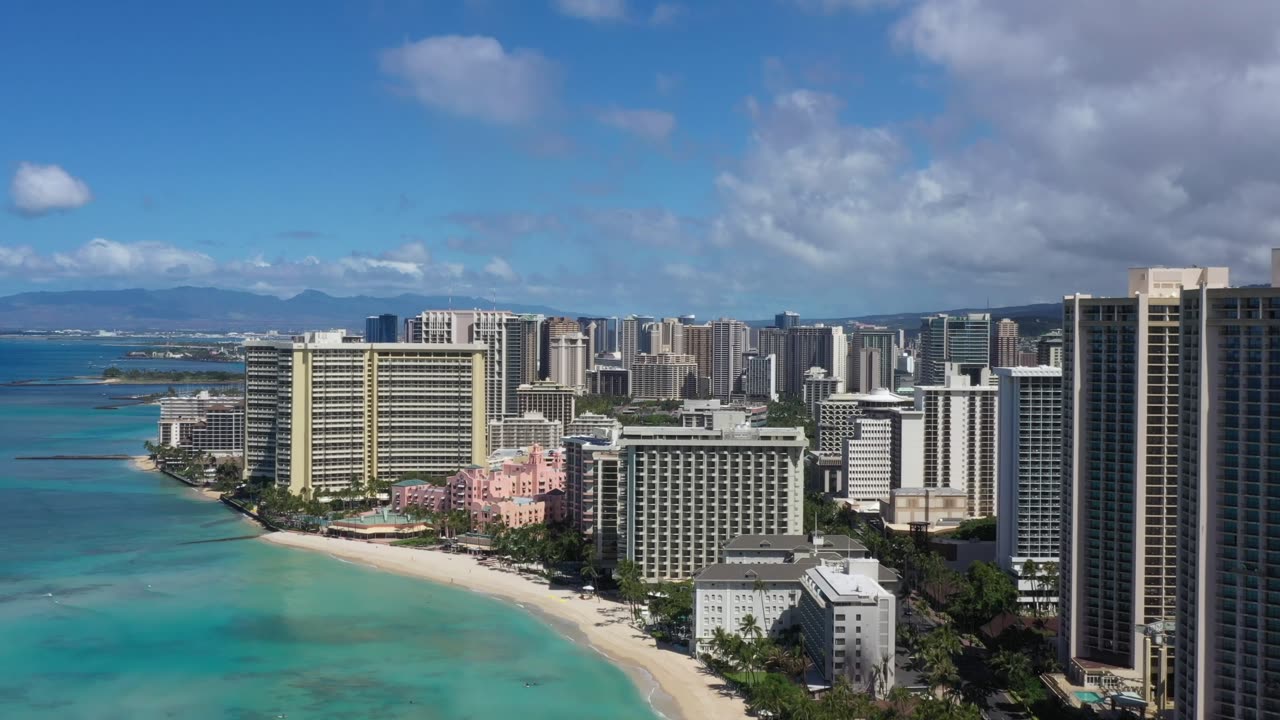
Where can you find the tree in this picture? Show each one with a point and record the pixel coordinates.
(987, 591)
(983, 529)
(1031, 574)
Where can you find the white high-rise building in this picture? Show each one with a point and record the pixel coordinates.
(960, 438)
(531, 428)
(663, 377)
(726, 356)
(690, 490)
(818, 386)
(1121, 444)
(849, 622)
(1228, 591)
(1029, 476)
(486, 327)
(321, 414)
(568, 357)
(879, 440)
(760, 378)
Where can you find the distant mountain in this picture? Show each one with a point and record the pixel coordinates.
(211, 309)
(1032, 319)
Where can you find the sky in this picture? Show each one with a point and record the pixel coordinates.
(833, 157)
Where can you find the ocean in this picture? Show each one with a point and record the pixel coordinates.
(124, 595)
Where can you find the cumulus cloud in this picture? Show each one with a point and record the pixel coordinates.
(39, 189)
(651, 125)
(474, 77)
(593, 10)
(1107, 136)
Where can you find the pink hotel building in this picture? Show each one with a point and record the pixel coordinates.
(522, 491)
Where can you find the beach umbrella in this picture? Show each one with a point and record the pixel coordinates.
(588, 587)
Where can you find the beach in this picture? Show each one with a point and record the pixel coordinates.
(143, 462)
(676, 684)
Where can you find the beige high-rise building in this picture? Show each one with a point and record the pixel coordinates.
(321, 414)
(554, 401)
(568, 357)
(697, 343)
(726, 356)
(960, 438)
(1004, 344)
(663, 377)
(1120, 448)
(462, 327)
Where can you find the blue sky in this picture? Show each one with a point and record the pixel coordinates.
(828, 156)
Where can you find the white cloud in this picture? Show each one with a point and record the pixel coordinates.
(501, 269)
(642, 226)
(1097, 136)
(39, 189)
(407, 267)
(830, 7)
(474, 77)
(651, 125)
(593, 10)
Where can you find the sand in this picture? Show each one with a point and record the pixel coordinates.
(675, 684)
(143, 462)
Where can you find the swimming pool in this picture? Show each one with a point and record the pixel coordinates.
(1087, 697)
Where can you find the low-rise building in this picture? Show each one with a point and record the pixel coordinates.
(531, 428)
(522, 490)
(553, 400)
(589, 423)
(611, 381)
(202, 422)
(849, 624)
(936, 508)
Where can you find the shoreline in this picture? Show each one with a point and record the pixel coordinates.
(143, 463)
(675, 685)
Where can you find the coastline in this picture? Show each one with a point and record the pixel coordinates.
(143, 463)
(675, 684)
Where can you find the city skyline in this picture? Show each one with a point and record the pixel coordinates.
(592, 156)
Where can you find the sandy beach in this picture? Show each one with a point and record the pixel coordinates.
(675, 683)
(143, 462)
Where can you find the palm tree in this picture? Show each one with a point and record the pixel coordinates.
(1031, 573)
(749, 627)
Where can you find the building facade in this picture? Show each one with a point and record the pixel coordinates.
(553, 401)
(786, 320)
(1227, 622)
(1121, 437)
(464, 327)
(697, 343)
(569, 353)
(813, 346)
(320, 414)
(1029, 475)
(960, 439)
(1004, 344)
(861, 374)
(773, 341)
(688, 491)
(611, 381)
(664, 377)
(962, 340)
(383, 328)
(589, 423)
(849, 623)
(759, 380)
(528, 429)
(727, 350)
(818, 386)
(1049, 349)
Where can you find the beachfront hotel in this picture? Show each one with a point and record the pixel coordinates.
(522, 490)
(826, 586)
(681, 493)
(321, 412)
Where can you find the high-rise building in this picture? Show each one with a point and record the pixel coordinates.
(612, 381)
(1049, 349)
(1120, 449)
(666, 336)
(878, 439)
(553, 400)
(864, 373)
(629, 333)
(552, 328)
(321, 414)
(786, 320)
(568, 360)
(515, 433)
(865, 338)
(813, 346)
(1004, 344)
(601, 337)
(381, 328)
(591, 485)
(1029, 476)
(697, 342)
(848, 621)
(203, 422)
(818, 386)
(773, 341)
(760, 378)
(462, 327)
(1228, 593)
(688, 491)
(522, 357)
(726, 356)
(960, 438)
(963, 340)
(688, 319)
(664, 377)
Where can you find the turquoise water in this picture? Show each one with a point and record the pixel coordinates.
(112, 606)
(1087, 697)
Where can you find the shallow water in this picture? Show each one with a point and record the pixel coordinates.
(111, 607)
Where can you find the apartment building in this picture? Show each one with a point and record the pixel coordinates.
(849, 623)
(1120, 480)
(1029, 473)
(320, 414)
(960, 438)
(553, 401)
(688, 491)
(663, 377)
(1227, 659)
(485, 327)
(531, 428)
(964, 341)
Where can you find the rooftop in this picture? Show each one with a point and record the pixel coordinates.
(792, 542)
(922, 492)
(846, 584)
(1041, 371)
(750, 572)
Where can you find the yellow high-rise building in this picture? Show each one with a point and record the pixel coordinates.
(322, 412)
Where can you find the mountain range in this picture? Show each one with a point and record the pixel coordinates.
(211, 309)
